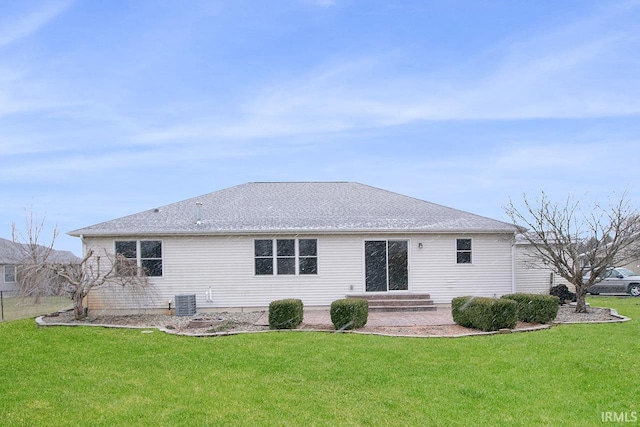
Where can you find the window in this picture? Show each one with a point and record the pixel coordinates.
(264, 257)
(285, 256)
(151, 257)
(286, 251)
(127, 258)
(9, 273)
(133, 256)
(308, 256)
(463, 251)
(386, 265)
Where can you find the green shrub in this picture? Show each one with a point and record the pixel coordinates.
(349, 313)
(535, 308)
(285, 314)
(486, 314)
(460, 311)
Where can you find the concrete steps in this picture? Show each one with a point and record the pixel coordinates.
(390, 302)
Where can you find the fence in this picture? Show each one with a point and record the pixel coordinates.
(2, 294)
(13, 306)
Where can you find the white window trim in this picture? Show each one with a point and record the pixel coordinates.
(274, 257)
(470, 251)
(139, 253)
(277, 257)
(15, 274)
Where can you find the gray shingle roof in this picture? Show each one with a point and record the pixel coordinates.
(321, 207)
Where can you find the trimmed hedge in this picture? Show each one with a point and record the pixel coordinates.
(486, 314)
(349, 313)
(285, 314)
(535, 308)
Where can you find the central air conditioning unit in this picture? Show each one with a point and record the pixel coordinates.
(185, 305)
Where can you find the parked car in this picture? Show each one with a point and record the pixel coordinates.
(617, 281)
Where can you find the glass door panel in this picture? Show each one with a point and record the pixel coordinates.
(375, 259)
(398, 265)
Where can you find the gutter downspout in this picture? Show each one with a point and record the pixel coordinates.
(85, 301)
(513, 266)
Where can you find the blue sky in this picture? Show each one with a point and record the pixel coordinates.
(111, 108)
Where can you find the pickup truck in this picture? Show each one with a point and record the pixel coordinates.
(617, 281)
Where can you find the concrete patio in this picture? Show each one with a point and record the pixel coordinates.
(440, 316)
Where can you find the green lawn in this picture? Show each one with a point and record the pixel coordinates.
(16, 307)
(568, 375)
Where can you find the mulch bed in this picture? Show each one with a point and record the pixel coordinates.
(224, 323)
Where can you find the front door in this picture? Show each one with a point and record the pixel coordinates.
(386, 265)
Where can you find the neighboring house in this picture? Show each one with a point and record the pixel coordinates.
(251, 244)
(631, 255)
(13, 255)
(9, 261)
(633, 265)
(530, 276)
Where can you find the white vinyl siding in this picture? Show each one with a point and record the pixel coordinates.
(534, 280)
(434, 272)
(223, 267)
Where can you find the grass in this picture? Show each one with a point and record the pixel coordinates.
(17, 307)
(568, 375)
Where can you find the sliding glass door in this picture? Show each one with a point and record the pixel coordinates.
(386, 265)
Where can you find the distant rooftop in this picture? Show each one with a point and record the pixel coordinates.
(16, 253)
(292, 207)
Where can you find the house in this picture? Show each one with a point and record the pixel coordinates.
(531, 277)
(9, 261)
(633, 265)
(13, 255)
(251, 244)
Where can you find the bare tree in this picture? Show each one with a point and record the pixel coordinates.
(97, 271)
(30, 257)
(42, 271)
(578, 245)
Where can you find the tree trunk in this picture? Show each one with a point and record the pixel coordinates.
(78, 308)
(581, 304)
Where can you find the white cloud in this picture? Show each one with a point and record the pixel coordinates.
(582, 70)
(575, 81)
(322, 3)
(568, 72)
(25, 88)
(14, 29)
(104, 161)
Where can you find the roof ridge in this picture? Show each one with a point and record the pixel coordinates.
(310, 206)
(300, 182)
